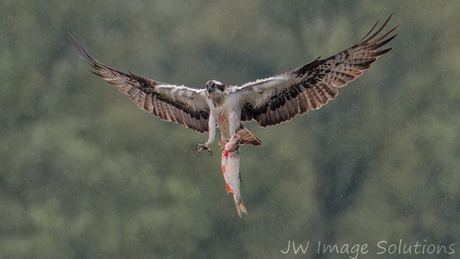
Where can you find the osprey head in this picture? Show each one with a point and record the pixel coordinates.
(213, 85)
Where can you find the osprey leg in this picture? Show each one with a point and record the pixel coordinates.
(212, 134)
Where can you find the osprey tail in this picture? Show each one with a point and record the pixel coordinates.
(247, 137)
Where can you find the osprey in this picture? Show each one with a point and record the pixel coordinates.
(269, 101)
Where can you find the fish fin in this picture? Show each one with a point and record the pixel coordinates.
(240, 208)
(228, 188)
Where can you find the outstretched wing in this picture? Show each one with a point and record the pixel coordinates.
(179, 104)
(280, 98)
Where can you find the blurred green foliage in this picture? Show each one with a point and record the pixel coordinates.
(85, 174)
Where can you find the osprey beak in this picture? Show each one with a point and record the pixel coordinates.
(211, 89)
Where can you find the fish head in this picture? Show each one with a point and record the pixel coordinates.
(233, 143)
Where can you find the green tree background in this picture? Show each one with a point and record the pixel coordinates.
(85, 174)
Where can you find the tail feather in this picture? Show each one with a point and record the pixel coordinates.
(247, 137)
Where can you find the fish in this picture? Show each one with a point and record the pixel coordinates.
(231, 171)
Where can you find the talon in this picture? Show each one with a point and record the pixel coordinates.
(202, 146)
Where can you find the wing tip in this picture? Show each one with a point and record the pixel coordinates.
(86, 56)
(367, 38)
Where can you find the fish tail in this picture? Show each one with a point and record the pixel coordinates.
(240, 208)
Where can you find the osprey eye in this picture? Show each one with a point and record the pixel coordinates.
(209, 84)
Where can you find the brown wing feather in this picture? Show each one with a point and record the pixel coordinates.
(310, 86)
(178, 104)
